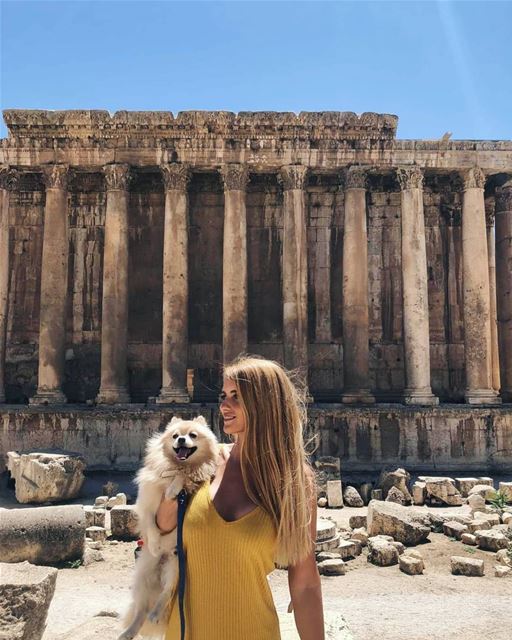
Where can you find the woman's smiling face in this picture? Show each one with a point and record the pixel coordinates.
(231, 409)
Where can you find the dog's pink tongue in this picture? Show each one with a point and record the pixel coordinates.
(182, 453)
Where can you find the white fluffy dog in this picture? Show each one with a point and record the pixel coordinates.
(184, 456)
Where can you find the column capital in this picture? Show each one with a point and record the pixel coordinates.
(504, 196)
(473, 178)
(55, 176)
(9, 178)
(176, 176)
(292, 176)
(117, 176)
(234, 176)
(355, 177)
(410, 177)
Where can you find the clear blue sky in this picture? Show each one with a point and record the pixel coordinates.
(440, 66)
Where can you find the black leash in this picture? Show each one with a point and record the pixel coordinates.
(182, 505)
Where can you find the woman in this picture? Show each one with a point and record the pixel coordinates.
(258, 512)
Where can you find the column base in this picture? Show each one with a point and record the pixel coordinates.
(481, 396)
(357, 396)
(114, 395)
(172, 395)
(420, 396)
(48, 396)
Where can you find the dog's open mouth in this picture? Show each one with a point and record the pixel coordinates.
(182, 453)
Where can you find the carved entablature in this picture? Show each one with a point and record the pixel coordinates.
(355, 177)
(235, 176)
(409, 178)
(473, 178)
(117, 176)
(504, 197)
(200, 129)
(9, 178)
(175, 176)
(293, 176)
(55, 176)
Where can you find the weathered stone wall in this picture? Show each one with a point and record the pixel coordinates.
(450, 438)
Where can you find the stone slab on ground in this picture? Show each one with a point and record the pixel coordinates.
(25, 595)
(397, 521)
(46, 476)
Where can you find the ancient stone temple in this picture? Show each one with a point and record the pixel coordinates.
(140, 250)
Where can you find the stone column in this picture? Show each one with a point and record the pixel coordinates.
(234, 262)
(295, 269)
(477, 317)
(415, 293)
(8, 182)
(114, 313)
(175, 285)
(54, 288)
(355, 290)
(504, 284)
(491, 252)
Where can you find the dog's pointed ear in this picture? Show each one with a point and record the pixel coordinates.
(201, 420)
(174, 420)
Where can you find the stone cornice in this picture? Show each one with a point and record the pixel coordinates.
(175, 176)
(409, 178)
(55, 176)
(117, 176)
(292, 176)
(235, 176)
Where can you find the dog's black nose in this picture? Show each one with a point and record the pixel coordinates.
(181, 440)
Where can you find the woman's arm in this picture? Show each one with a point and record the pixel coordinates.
(167, 515)
(305, 588)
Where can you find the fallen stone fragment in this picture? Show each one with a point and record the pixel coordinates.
(25, 595)
(334, 494)
(376, 494)
(352, 498)
(356, 522)
(327, 555)
(411, 565)
(347, 549)
(397, 521)
(93, 544)
(96, 534)
(399, 479)
(503, 557)
(492, 518)
(325, 529)
(124, 523)
(382, 552)
(358, 546)
(466, 566)
(468, 538)
(46, 476)
(91, 556)
(464, 485)
(101, 501)
(442, 490)
(334, 567)
(506, 488)
(322, 502)
(116, 501)
(476, 525)
(476, 502)
(361, 535)
(502, 572)
(484, 490)
(419, 493)
(398, 546)
(454, 529)
(491, 540)
(506, 518)
(396, 496)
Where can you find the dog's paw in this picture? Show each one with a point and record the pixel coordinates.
(126, 636)
(155, 615)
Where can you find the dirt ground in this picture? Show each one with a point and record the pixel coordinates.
(377, 603)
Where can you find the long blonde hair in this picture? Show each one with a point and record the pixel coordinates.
(273, 456)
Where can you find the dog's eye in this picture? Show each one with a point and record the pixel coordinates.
(193, 435)
(174, 436)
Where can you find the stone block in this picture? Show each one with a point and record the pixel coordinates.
(325, 529)
(476, 502)
(334, 567)
(397, 521)
(477, 525)
(491, 540)
(357, 522)
(124, 523)
(503, 557)
(376, 494)
(442, 490)
(410, 565)
(399, 479)
(42, 535)
(321, 502)
(506, 488)
(26, 592)
(347, 549)
(381, 552)
(96, 534)
(101, 501)
(419, 493)
(46, 476)
(464, 485)
(454, 529)
(491, 518)
(501, 571)
(334, 494)
(484, 490)
(361, 535)
(351, 497)
(466, 566)
(469, 539)
(396, 496)
(116, 501)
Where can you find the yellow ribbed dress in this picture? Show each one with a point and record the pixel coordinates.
(227, 595)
